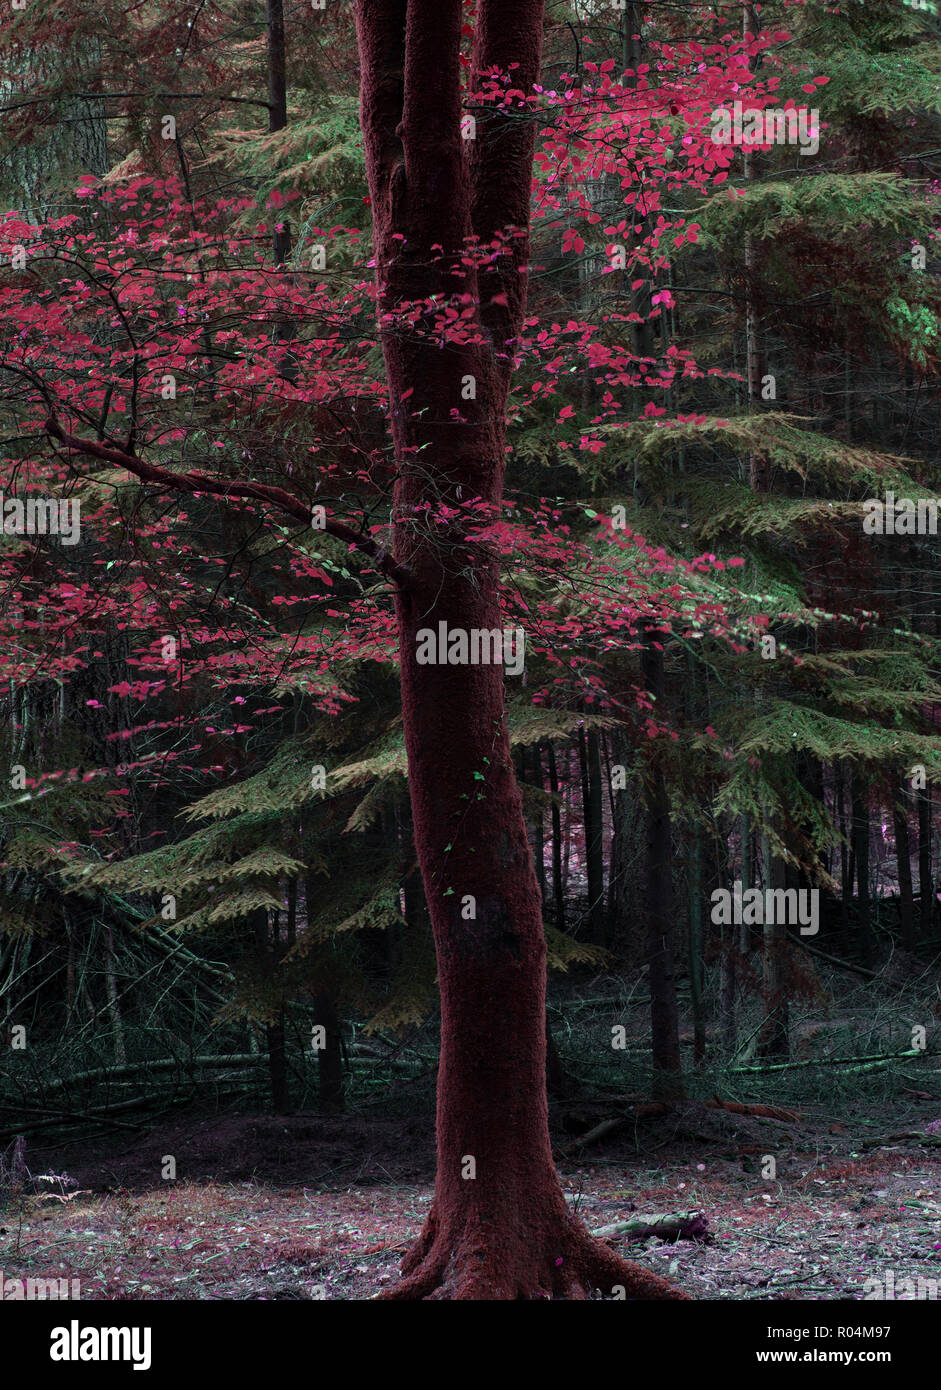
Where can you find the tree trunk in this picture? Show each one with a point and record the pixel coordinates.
(904, 862)
(695, 944)
(925, 886)
(274, 1031)
(278, 1065)
(626, 887)
(558, 888)
(667, 1066)
(330, 1056)
(758, 468)
(846, 867)
(499, 1226)
(589, 762)
(594, 837)
(734, 942)
(775, 1041)
(114, 1007)
(69, 970)
(861, 856)
(748, 880)
(277, 103)
(534, 760)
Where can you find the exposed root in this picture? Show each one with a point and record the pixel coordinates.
(475, 1264)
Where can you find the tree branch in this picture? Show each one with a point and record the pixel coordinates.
(508, 38)
(222, 487)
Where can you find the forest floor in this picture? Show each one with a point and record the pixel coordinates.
(307, 1206)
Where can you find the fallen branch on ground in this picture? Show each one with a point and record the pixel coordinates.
(767, 1112)
(877, 1059)
(183, 1064)
(917, 1136)
(833, 960)
(679, 1225)
(609, 1126)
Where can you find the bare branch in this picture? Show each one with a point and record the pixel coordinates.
(229, 488)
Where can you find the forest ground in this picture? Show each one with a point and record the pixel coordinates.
(305, 1206)
(310, 1205)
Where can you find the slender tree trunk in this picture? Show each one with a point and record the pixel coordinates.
(69, 970)
(925, 886)
(278, 1065)
(274, 1031)
(114, 1007)
(861, 856)
(775, 1033)
(534, 760)
(284, 328)
(330, 1056)
(592, 804)
(730, 948)
(694, 946)
(758, 476)
(290, 935)
(846, 865)
(558, 1083)
(667, 1070)
(499, 1226)
(558, 887)
(904, 861)
(278, 102)
(748, 879)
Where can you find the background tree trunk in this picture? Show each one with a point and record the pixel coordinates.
(593, 803)
(904, 862)
(861, 857)
(775, 1040)
(558, 887)
(667, 1066)
(925, 885)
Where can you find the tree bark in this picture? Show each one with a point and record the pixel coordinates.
(594, 835)
(558, 887)
(330, 1056)
(758, 469)
(267, 952)
(667, 1066)
(904, 862)
(861, 856)
(846, 866)
(695, 945)
(589, 763)
(532, 759)
(499, 1227)
(775, 1036)
(278, 102)
(925, 886)
(628, 856)
(114, 1007)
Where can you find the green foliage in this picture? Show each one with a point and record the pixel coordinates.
(834, 204)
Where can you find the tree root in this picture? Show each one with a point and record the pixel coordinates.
(479, 1262)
